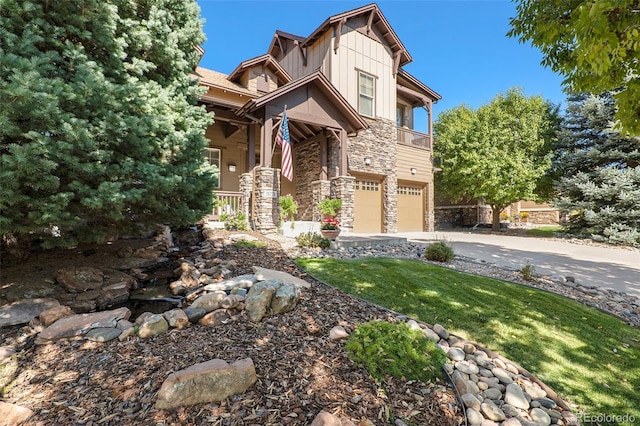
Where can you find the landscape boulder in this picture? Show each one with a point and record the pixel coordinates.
(76, 326)
(209, 381)
(264, 274)
(154, 324)
(52, 315)
(11, 414)
(23, 311)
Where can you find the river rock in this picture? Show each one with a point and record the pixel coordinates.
(466, 367)
(491, 411)
(546, 403)
(456, 354)
(176, 318)
(327, 419)
(431, 335)
(338, 333)
(194, 314)
(209, 381)
(474, 417)
(539, 416)
(515, 396)
(103, 334)
(502, 375)
(23, 311)
(533, 390)
(492, 393)
(258, 301)
(76, 326)
(52, 315)
(470, 401)
(441, 331)
(215, 318)
(153, 325)
(210, 301)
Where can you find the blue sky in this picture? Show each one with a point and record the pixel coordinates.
(459, 48)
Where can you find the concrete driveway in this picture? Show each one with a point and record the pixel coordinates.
(616, 268)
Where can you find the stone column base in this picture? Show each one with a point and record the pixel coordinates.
(266, 213)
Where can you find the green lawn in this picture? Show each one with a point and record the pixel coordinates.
(590, 358)
(544, 231)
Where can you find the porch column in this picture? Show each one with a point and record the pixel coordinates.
(265, 142)
(343, 164)
(251, 149)
(430, 123)
(246, 187)
(323, 156)
(265, 198)
(343, 187)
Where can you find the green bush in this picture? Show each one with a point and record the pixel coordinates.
(439, 252)
(528, 272)
(394, 349)
(312, 239)
(234, 222)
(288, 208)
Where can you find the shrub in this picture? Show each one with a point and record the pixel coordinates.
(312, 239)
(528, 272)
(504, 216)
(439, 252)
(330, 206)
(288, 208)
(396, 350)
(234, 222)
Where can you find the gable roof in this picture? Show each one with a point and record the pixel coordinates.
(408, 81)
(267, 61)
(219, 80)
(376, 18)
(316, 78)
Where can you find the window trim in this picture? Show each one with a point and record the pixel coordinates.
(360, 94)
(208, 157)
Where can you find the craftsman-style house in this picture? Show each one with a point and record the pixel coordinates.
(349, 105)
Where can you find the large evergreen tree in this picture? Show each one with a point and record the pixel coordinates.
(598, 171)
(99, 127)
(497, 153)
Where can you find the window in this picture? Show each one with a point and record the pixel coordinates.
(367, 90)
(213, 156)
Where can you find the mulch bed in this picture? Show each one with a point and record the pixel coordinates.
(301, 371)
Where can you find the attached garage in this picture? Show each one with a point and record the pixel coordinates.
(411, 205)
(367, 205)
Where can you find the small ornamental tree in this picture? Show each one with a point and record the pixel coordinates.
(99, 127)
(497, 153)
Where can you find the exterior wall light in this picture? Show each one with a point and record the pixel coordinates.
(367, 161)
(414, 171)
(232, 168)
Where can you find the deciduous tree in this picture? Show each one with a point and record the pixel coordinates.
(594, 44)
(99, 127)
(496, 153)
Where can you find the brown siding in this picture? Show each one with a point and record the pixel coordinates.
(232, 151)
(420, 159)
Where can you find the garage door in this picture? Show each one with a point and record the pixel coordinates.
(410, 208)
(367, 206)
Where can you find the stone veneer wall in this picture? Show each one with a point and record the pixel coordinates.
(265, 195)
(307, 170)
(379, 143)
(343, 187)
(246, 187)
(321, 190)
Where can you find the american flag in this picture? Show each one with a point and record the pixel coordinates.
(282, 139)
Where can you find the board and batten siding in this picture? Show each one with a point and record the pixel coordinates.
(318, 56)
(357, 52)
(232, 151)
(420, 159)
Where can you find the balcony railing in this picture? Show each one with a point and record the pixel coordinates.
(228, 202)
(412, 138)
